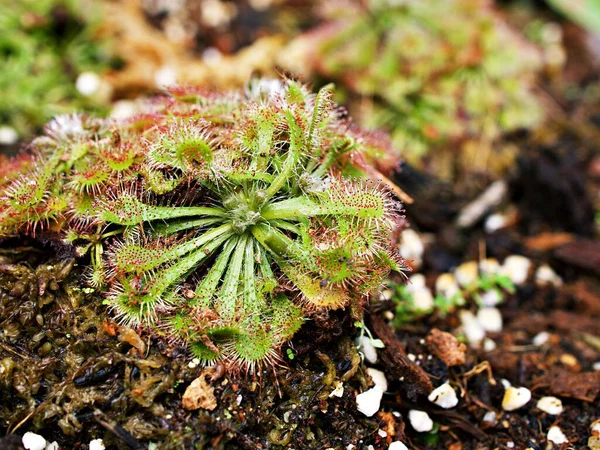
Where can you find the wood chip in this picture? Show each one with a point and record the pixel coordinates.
(446, 347)
(200, 394)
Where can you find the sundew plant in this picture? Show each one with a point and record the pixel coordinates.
(219, 221)
(429, 71)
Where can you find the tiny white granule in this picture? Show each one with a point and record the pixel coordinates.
(556, 435)
(378, 378)
(490, 319)
(550, 405)
(97, 444)
(32, 441)
(397, 445)
(516, 267)
(515, 398)
(369, 401)
(444, 396)
(540, 338)
(8, 135)
(420, 421)
(88, 83)
(366, 348)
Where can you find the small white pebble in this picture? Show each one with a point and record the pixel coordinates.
(516, 267)
(32, 441)
(165, 76)
(466, 273)
(369, 401)
(378, 378)
(490, 319)
(494, 223)
(388, 315)
(550, 405)
(366, 348)
(239, 399)
(212, 56)
(472, 329)
(88, 83)
(490, 417)
(386, 294)
(412, 247)
(8, 135)
(596, 366)
(52, 446)
(123, 109)
(416, 282)
(540, 338)
(510, 444)
(411, 357)
(446, 285)
(397, 445)
(505, 383)
(350, 447)
(382, 433)
(545, 276)
(489, 345)
(420, 421)
(338, 391)
(492, 297)
(489, 266)
(97, 444)
(556, 435)
(422, 299)
(396, 414)
(515, 398)
(444, 396)
(595, 428)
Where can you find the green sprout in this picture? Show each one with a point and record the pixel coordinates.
(430, 72)
(220, 222)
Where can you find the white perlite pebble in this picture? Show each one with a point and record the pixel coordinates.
(8, 135)
(165, 76)
(545, 276)
(556, 435)
(540, 338)
(368, 402)
(420, 421)
(32, 441)
(491, 298)
(515, 398)
(596, 366)
(490, 417)
(417, 281)
(550, 405)
(446, 285)
(516, 267)
(338, 391)
(489, 266)
(423, 300)
(494, 223)
(52, 446)
(444, 396)
(367, 349)
(489, 345)
(595, 428)
(490, 319)
(97, 444)
(123, 109)
(472, 329)
(88, 83)
(411, 247)
(397, 445)
(466, 273)
(378, 378)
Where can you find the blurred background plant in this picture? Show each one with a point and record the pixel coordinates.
(46, 46)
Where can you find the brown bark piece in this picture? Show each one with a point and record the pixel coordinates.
(393, 357)
(199, 394)
(582, 386)
(446, 347)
